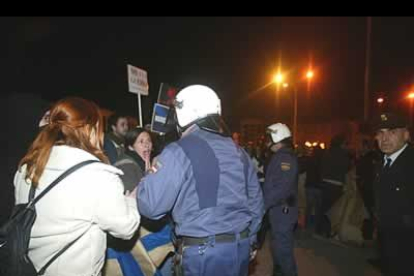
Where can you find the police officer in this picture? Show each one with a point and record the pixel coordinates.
(395, 195)
(280, 194)
(211, 187)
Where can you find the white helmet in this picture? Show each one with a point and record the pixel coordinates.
(196, 102)
(278, 132)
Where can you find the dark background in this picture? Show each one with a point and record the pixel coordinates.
(236, 56)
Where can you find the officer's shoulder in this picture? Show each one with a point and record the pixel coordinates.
(410, 151)
(287, 155)
(408, 156)
(172, 148)
(241, 151)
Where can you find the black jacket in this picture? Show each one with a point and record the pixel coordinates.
(395, 192)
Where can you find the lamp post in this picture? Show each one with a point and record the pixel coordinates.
(295, 113)
(277, 79)
(309, 75)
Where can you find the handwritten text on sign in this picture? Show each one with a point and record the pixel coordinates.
(137, 80)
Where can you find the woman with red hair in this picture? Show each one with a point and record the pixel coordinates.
(86, 204)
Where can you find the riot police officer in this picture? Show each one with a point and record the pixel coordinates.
(280, 194)
(211, 187)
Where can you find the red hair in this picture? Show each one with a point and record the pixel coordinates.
(74, 122)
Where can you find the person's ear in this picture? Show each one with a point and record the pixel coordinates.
(407, 135)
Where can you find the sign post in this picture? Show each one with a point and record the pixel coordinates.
(138, 84)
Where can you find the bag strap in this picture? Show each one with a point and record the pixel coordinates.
(53, 184)
(32, 193)
(43, 269)
(57, 180)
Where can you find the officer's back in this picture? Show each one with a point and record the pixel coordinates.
(213, 196)
(210, 185)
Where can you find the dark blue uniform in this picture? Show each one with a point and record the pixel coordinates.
(212, 189)
(280, 193)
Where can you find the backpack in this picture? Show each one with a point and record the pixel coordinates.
(15, 234)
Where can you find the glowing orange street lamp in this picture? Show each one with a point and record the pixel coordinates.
(380, 100)
(410, 96)
(309, 77)
(278, 78)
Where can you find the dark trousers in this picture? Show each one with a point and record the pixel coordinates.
(214, 258)
(313, 202)
(396, 247)
(282, 226)
(330, 194)
(365, 188)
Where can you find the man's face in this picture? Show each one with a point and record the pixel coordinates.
(276, 147)
(236, 138)
(121, 127)
(392, 140)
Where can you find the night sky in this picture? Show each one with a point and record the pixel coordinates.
(236, 56)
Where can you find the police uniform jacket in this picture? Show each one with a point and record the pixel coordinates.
(281, 182)
(208, 182)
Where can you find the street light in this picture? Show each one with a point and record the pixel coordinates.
(410, 97)
(381, 101)
(309, 76)
(278, 78)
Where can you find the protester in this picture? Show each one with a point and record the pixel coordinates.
(139, 256)
(118, 128)
(86, 204)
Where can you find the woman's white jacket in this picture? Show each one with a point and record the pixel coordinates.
(91, 199)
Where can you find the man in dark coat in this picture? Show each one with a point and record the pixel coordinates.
(395, 196)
